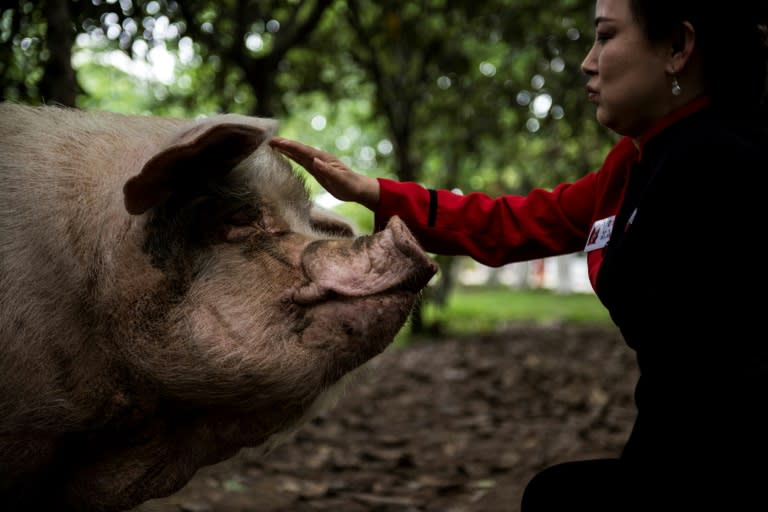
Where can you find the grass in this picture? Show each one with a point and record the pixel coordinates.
(484, 309)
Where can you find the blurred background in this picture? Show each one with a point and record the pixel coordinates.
(464, 95)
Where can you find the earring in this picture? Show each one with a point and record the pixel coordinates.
(676, 90)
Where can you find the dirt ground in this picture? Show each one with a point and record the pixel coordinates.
(451, 425)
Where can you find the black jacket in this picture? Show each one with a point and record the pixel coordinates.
(685, 282)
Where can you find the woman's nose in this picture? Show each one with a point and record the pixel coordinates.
(589, 64)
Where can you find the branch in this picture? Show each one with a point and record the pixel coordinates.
(298, 33)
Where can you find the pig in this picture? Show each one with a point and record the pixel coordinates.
(169, 294)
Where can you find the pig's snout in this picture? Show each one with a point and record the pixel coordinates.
(385, 261)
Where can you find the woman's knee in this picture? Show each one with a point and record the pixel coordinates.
(571, 486)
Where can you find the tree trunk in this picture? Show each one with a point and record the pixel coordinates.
(59, 84)
(260, 74)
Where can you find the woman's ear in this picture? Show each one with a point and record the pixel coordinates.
(681, 49)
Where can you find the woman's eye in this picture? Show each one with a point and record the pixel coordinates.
(603, 36)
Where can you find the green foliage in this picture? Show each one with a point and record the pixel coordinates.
(22, 53)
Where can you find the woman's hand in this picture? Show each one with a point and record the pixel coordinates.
(338, 179)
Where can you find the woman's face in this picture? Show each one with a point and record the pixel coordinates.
(627, 77)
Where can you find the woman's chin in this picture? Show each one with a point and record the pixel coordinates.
(604, 118)
(613, 124)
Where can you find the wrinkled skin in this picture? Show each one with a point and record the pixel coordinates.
(169, 295)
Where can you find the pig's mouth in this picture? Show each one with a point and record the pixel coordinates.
(350, 330)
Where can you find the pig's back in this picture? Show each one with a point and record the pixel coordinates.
(61, 208)
(62, 173)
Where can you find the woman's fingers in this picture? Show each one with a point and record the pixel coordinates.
(289, 149)
(300, 153)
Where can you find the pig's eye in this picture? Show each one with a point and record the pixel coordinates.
(237, 224)
(242, 216)
(247, 221)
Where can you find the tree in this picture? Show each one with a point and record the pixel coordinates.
(468, 95)
(224, 29)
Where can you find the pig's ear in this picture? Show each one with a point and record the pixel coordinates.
(210, 148)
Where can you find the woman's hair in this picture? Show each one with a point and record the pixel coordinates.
(731, 38)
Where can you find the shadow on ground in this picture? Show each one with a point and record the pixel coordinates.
(451, 425)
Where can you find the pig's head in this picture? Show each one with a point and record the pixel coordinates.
(234, 305)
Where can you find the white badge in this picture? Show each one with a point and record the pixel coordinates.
(600, 233)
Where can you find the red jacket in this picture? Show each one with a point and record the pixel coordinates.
(497, 231)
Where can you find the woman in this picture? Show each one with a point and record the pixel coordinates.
(670, 224)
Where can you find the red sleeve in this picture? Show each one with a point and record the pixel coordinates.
(493, 231)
